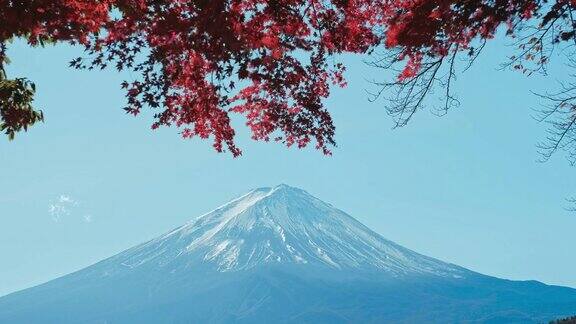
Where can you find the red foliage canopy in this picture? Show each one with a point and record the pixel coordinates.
(270, 60)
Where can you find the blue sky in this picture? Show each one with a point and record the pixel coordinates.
(465, 188)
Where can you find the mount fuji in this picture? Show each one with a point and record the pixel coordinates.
(281, 255)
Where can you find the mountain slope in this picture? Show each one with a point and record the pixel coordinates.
(279, 254)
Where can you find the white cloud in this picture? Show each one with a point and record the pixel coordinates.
(65, 199)
(57, 211)
(65, 205)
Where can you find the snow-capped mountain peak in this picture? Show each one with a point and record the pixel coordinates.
(279, 225)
